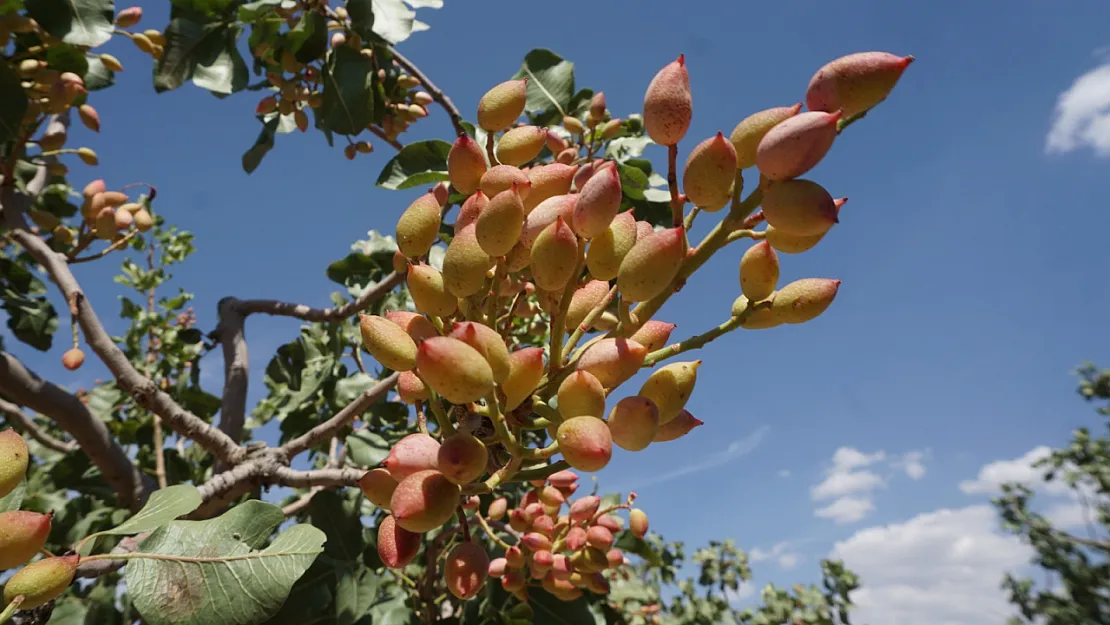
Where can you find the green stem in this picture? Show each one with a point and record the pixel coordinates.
(672, 184)
(541, 472)
(489, 531)
(591, 317)
(501, 427)
(491, 309)
(559, 319)
(11, 609)
(696, 342)
(736, 235)
(445, 426)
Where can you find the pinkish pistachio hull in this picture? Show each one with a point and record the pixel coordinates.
(501, 178)
(466, 162)
(470, 209)
(598, 203)
(585, 299)
(581, 394)
(708, 176)
(677, 427)
(548, 181)
(855, 83)
(613, 361)
(454, 369)
(668, 104)
(654, 334)
(544, 215)
(415, 452)
(396, 546)
(800, 207)
(554, 256)
(652, 264)
(748, 133)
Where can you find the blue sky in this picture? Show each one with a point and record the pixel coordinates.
(969, 253)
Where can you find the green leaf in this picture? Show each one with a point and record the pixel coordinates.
(393, 21)
(367, 448)
(31, 317)
(339, 520)
(348, 105)
(80, 22)
(361, 13)
(14, 499)
(203, 51)
(67, 58)
(355, 592)
(550, 80)
(251, 11)
(347, 389)
(252, 158)
(629, 543)
(217, 576)
(210, 8)
(309, 37)
(419, 163)
(13, 103)
(633, 181)
(164, 505)
(104, 400)
(98, 76)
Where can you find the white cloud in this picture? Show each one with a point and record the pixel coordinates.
(993, 475)
(846, 509)
(781, 553)
(1082, 115)
(847, 458)
(839, 484)
(746, 590)
(784, 473)
(938, 568)
(912, 464)
(788, 560)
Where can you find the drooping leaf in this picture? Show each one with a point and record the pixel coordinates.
(14, 499)
(13, 103)
(629, 543)
(79, 22)
(203, 50)
(216, 575)
(98, 76)
(252, 158)
(348, 105)
(355, 591)
(419, 163)
(367, 448)
(311, 600)
(31, 317)
(550, 80)
(309, 38)
(163, 506)
(362, 18)
(339, 520)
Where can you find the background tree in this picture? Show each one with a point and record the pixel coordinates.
(118, 462)
(1076, 587)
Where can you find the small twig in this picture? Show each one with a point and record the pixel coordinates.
(489, 531)
(490, 151)
(341, 419)
(695, 342)
(356, 353)
(28, 426)
(672, 183)
(589, 320)
(384, 137)
(434, 91)
(159, 453)
(421, 419)
(300, 504)
(463, 527)
(117, 244)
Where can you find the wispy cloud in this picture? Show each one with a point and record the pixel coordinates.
(851, 481)
(736, 449)
(1082, 115)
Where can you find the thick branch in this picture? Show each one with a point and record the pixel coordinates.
(142, 389)
(96, 568)
(434, 91)
(233, 409)
(318, 477)
(307, 313)
(27, 426)
(90, 433)
(333, 425)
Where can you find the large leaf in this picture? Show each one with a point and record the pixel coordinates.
(367, 448)
(393, 21)
(252, 158)
(14, 499)
(309, 37)
(355, 591)
(164, 505)
(550, 80)
(339, 520)
(209, 571)
(80, 22)
(31, 317)
(12, 103)
(203, 50)
(348, 105)
(98, 76)
(419, 163)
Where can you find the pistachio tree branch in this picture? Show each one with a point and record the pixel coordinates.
(231, 334)
(317, 477)
(307, 313)
(96, 568)
(434, 91)
(89, 432)
(332, 426)
(696, 342)
(26, 425)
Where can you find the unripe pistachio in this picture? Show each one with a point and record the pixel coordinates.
(567, 156)
(466, 163)
(364, 147)
(653, 334)
(585, 299)
(498, 567)
(548, 181)
(400, 263)
(514, 557)
(424, 501)
(525, 372)
(465, 263)
(670, 387)
(633, 423)
(589, 560)
(598, 202)
(349, 151)
(129, 17)
(89, 117)
(41, 581)
(585, 172)
(387, 342)
(465, 570)
(497, 509)
(638, 522)
(105, 224)
(378, 486)
(611, 128)
(855, 83)
(73, 359)
(516, 260)
(554, 256)
(796, 145)
(536, 541)
(488, 343)
(462, 458)
(561, 568)
(545, 214)
(111, 62)
(500, 106)
(93, 188)
(803, 300)
(585, 443)
(554, 142)
(584, 508)
(428, 291)
(615, 558)
(800, 207)
(471, 209)
(580, 394)
(644, 229)
(520, 145)
(413, 453)
(397, 546)
(64, 235)
(576, 538)
(501, 178)
(88, 156)
(513, 581)
(708, 176)
(43, 219)
(518, 520)
(143, 221)
(652, 264)
(759, 271)
(142, 42)
(599, 538)
(155, 36)
(608, 249)
(613, 361)
(542, 561)
(749, 132)
(22, 535)
(112, 199)
(677, 427)
(454, 369)
(573, 125)
(668, 104)
(793, 243)
(757, 319)
(597, 105)
(499, 223)
(610, 522)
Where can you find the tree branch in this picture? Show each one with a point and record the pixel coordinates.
(143, 390)
(300, 504)
(332, 426)
(317, 477)
(90, 433)
(434, 91)
(233, 409)
(307, 313)
(96, 568)
(27, 425)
